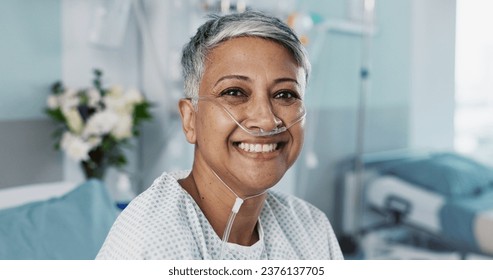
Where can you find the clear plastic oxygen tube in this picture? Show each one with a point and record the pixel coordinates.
(236, 208)
(258, 132)
(299, 115)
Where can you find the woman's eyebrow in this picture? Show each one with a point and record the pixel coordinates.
(282, 80)
(233, 77)
(245, 78)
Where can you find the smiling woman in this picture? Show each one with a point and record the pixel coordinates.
(267, 69)
(245, 78)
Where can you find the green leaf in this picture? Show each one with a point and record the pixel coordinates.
(121, 160)
(84, 99)
(56, 114)
(98, 84)
(56, 146)
(57, 88)
(107, 144)
(142, 113)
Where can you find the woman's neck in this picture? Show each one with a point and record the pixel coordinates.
(216, 202)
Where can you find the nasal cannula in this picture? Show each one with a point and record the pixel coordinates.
(239, 201)
(259, 132)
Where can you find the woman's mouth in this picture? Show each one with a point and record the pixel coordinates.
(258, 147)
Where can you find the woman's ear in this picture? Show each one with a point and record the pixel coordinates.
(187, 114)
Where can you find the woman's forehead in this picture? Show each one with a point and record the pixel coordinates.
(250, 57)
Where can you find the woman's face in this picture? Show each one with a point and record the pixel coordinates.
(249, 75)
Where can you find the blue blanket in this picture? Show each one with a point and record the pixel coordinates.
(457, 219)
(449, 174)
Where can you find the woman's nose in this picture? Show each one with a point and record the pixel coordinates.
(262, 116)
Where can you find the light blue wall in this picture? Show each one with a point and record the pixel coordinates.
(333, 98)
(30, 61)
(391, 83)
(335, 80)
(30, 56)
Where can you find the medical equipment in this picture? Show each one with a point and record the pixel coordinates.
(234, 210)
(292, 109)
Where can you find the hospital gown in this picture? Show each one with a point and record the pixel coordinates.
(164, 222)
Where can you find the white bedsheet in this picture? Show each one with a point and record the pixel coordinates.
(483, 229)
(425, 205)
(15, 196)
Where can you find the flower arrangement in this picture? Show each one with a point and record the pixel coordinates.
(96, 123)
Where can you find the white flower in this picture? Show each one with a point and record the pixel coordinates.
(70, 92)
(115, 91)
(75, 147)
(123, 128)
(94, 97)
(68, 99)
(94, 141)
(68, 102)
(52, 102)
(100, 123)
(74, 120)
(133, 96)
(117, 104)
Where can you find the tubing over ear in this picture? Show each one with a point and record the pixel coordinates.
(187, 114)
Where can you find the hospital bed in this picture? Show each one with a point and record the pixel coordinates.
(445, 197)
(62, 220)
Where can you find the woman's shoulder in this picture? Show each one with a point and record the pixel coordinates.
(288, 204)
(168, 181)
(164, 187)
(153, 221)
(308, 228)
(163, 198)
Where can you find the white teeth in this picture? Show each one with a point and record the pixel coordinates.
(265, 148)
(258, 148)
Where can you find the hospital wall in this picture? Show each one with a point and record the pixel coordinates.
(30, 59)
(410, 103)
(336, 90)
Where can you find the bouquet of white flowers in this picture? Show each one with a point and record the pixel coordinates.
(94, 124)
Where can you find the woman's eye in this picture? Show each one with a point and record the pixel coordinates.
(233, 93)
(233, 96)
(286, 95)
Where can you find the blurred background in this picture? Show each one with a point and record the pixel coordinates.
(390, 77)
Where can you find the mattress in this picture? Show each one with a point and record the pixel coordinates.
(467, 221)
(425, 205)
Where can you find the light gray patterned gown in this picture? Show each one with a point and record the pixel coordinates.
(164, 222)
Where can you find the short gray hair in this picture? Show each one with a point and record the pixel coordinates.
(221, 28)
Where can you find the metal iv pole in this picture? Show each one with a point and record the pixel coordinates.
(365, 72)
